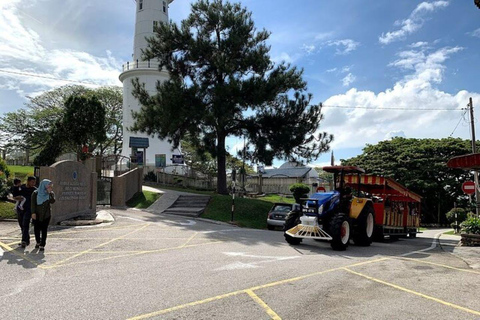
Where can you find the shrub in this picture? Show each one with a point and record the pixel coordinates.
(471, 225)
(4, 172)
(150, 176)
(299, 190)
(461, 215)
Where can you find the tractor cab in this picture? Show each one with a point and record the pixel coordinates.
(334, 216)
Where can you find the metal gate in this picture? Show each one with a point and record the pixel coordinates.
(104, 191)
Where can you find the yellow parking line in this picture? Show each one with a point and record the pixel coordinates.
(230, 294)
(21, 256)
(128, 255)
(190, 304)
(99, 246)
(440, 265)
(414, 292)
(189, 239)
(267, 309)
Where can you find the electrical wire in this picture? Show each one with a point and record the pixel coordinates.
(391, 108)
(49, 78)
(461, 118)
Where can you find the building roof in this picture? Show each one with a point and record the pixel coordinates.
(286, 172)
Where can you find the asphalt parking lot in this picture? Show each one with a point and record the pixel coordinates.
(149, 266)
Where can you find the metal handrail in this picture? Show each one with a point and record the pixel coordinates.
(131, 65)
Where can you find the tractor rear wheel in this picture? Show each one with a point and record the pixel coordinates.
(293, 219)
(340, 231)
(363, 234)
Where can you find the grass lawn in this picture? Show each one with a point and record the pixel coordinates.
(21, 172)
(142, 200)
(249, 213)
(452, 232)
(6, 210)
(277, 198)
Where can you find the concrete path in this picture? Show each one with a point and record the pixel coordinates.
(178, 202)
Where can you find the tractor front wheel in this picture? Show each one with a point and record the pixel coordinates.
(364, 230)
(293, 219)
(340, 232)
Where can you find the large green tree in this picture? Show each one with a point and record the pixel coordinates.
(224, 83)
(83, 124)
(420, 165)
(32, 126)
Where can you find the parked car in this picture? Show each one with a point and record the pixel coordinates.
(276, 216)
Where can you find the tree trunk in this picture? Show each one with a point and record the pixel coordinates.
(221, 164)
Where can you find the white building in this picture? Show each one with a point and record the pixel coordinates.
(148, 14)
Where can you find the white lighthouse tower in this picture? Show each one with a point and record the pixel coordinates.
(149, 13)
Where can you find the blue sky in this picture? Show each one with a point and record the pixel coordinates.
(384, 60)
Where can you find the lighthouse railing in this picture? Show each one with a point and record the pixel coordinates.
(131, 65)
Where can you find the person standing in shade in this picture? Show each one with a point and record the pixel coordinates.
(42, 199)
(25, 215)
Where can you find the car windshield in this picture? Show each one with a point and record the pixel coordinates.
(282, 208)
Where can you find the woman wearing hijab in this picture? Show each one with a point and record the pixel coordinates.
(42, 211)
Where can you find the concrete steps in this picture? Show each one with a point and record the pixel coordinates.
(187, 205)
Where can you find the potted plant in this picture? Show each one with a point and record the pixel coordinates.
(299, 190)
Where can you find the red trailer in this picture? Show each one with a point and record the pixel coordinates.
(397, 209)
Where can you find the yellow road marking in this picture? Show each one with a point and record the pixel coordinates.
(267, 309)
(189, 239)
(21, 256)
(414, 292)
(128, 255)
(99, 246)
(190, 304)
(230, 294)
(440, 265)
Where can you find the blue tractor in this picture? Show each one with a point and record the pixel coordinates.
(335, 216)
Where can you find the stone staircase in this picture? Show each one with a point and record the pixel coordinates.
(188, 205)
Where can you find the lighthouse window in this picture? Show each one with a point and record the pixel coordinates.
(164, 7)
(140, 4)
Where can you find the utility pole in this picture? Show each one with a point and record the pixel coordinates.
(474, 150)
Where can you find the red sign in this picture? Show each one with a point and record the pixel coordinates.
(469, 161)
(468, 187)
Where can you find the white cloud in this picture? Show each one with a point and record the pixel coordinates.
(348, 79)
(344, 46)
(393, 134)
(309, 49)
(475, 33)
(31, 65)
(413, 22)
(331, 70)
(418, 44)
(378, 116)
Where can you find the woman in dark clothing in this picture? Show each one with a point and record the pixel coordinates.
(42, 198)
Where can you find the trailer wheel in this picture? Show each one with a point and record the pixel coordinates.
(363, 234)
(293, 219)
(412, 235)
(340, 232)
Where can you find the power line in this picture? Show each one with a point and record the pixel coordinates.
(461, 118)
(45, 77)
(391, 108)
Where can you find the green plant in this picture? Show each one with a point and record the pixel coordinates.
(471, 225)
(150, 176)
(461, 215)
(4, 171)
(299, 190)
